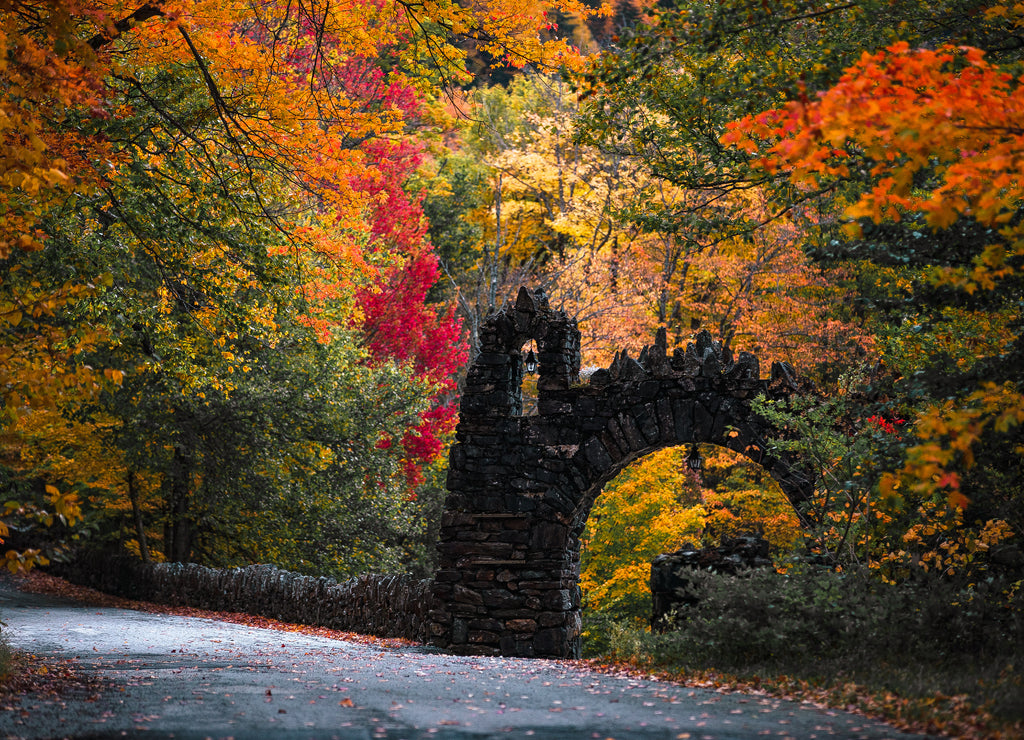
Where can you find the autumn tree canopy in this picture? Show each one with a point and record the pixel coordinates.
(245, 248)
(215, 277)
(881, 139)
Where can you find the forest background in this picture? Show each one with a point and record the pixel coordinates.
(246, 246)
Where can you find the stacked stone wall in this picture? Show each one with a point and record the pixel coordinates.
(381, 605)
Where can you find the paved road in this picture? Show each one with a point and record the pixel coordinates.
(183, 677)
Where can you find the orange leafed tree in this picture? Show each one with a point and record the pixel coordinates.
(919, 131)
(901, 113)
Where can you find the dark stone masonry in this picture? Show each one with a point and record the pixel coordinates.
(520, 488)
(671, 572)
(381, 605)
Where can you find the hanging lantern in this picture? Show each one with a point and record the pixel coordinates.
(694, 461)
(530, 363)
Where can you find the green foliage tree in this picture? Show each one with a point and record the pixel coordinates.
(847, 443)
(234, 432)
(234, 416)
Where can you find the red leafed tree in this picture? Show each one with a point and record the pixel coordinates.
(397, 322)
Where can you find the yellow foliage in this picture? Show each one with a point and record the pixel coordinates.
(647, 510)
(658, 505)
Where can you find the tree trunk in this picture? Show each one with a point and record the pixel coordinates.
(492, 282)
(140, 529)
(179, 542)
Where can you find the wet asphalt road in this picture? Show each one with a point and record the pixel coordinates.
(182, 677)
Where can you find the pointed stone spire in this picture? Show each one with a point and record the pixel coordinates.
(525, 302)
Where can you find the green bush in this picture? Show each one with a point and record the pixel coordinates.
(762, 617)
(814, 619)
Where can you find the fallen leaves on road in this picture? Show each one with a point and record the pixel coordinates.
(53, 678)
(947, 716)
(49, 678)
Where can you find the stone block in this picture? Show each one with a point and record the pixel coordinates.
(492, 625)
(703, 423)
(548, 537)
(683, 419)
(522, 625)
(500, 598)
(631, 431)
(551, 619)
(516, 645)
(614, 430)
(597, 455)
(441, 616)
(460, 631)
(550, 584)
(507, 614)
(464, 610)
(552, 641)
(533, 575)
(513, 536)
(647, 421)
(666, 420)
(560, 600)
(649, 389)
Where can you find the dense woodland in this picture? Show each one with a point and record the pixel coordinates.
(246, 245)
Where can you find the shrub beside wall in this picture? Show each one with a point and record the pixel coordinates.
(381, 605)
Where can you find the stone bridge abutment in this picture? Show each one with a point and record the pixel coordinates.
(520, 488)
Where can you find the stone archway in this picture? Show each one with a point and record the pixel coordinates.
(520, 489)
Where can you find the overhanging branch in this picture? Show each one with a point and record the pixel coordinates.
(147, 11)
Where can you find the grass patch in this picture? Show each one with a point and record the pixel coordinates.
(933, 655)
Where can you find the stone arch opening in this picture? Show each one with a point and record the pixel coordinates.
(660, 505)
(520, 489)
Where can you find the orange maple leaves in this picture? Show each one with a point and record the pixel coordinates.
(900, 113)
(46, 74)
(934, 132)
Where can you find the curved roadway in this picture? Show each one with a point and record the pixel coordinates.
(182, 677)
